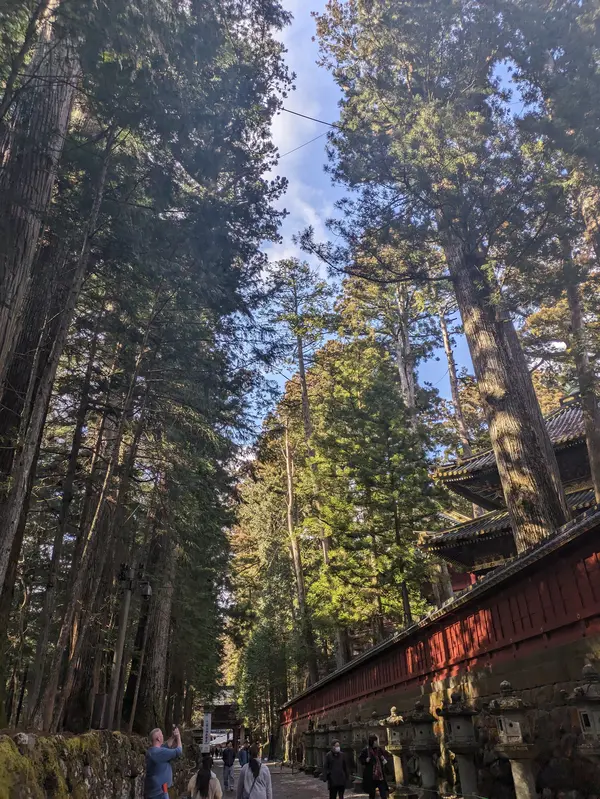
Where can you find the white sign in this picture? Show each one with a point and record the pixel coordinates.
(206, 730)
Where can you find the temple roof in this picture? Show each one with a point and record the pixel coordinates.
(565, 427)
(496, 523)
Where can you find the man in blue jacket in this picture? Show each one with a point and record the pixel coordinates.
(159, 773)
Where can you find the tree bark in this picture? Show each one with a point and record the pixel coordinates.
(94, 551)
(79, 706)
(35, 22)
(525, 457)
(461, 425)
(99, 548)
(441, 583)
(28, 174)
(585, 373)
(151, 701)
(405, 363)
(456, 402)
(309, 641)
(25, 460)
(308, 432)
(53, 570)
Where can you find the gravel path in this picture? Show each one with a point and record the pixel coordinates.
(290, 786)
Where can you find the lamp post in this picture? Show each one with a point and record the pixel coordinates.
(128, 578)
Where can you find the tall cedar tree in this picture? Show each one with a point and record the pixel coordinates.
(427, 143)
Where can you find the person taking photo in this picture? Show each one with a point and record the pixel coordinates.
(159, 756)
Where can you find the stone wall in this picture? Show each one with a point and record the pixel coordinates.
(534, 624)
(98, 765)
(543, 681)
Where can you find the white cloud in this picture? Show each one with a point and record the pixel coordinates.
(310, 197)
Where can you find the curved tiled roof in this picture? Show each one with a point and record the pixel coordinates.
(564, 426)
(497, 523)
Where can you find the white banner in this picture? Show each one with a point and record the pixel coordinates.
(206, 730)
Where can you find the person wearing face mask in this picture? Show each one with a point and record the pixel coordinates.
(335, 771)
(374, 760)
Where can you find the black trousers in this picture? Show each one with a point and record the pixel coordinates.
(383, 789)
(336, 791)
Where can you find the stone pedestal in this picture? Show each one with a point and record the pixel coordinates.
(516, 739)
(321, 748)
(309, 750)
(398, 736)
(468, 775)
(424, 745)
(359, 741)
(460, 738)
(345, 739)
(524, 779)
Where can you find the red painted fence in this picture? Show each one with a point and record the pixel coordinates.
(548, 597)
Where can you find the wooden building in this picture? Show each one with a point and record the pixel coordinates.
(474, 547)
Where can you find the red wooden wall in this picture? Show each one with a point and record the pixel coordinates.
(556, 601)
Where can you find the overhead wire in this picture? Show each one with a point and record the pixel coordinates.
(313, 119)
(300, 146)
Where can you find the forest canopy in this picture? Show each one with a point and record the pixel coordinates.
(176, 516)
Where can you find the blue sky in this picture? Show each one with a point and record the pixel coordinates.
(310, 197)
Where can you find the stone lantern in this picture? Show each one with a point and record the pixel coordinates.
(333, 734)
(424, 743)
(399, 736)
(309, 747)
(460, 738)
(345, 739)
(515, 738)
(321, 747)
(359, 741)
(375, 727)
(586, 699)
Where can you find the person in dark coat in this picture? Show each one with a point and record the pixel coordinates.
(335, 771)
(374, 759)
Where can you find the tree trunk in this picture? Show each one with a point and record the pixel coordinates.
(94, 552)
(585, 373)
(403, 352)
(526, 461)
(26, 456)
(308, 431)
(151, 701)
(80, 705)
(456, 402)
(343, 646)
(441, 583)
(29, 170)
(136, 676)
(23, 376)
(54, 567)
(92, 566)
(309, 641)
(36, 21)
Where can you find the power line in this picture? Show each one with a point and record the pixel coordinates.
(300, 146)
(313, 119)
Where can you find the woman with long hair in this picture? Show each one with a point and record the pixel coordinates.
(374, 760)
(255, 778)
(204, 784)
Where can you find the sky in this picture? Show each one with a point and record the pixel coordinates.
(310, 197)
